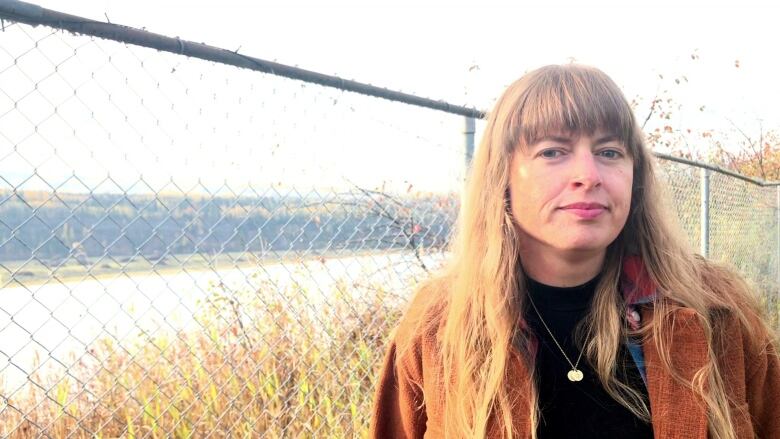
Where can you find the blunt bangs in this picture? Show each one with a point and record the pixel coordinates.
(570, 100)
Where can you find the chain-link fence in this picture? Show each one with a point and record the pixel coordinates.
(730, 218)
(189, 248)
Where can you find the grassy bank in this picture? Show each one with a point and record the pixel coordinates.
(263, 362)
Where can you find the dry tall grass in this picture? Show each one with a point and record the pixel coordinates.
(267, 362)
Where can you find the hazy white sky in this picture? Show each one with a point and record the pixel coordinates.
(427, 47)
(431, 48)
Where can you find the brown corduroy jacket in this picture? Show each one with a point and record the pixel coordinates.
(408, 399)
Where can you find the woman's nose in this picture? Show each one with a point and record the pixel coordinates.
(585, 170)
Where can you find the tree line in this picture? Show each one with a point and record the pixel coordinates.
(52, 227)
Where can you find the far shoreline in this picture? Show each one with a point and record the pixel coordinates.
(39, 274)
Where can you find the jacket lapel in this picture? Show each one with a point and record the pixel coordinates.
(676, 411)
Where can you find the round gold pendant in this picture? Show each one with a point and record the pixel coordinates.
(575, 375)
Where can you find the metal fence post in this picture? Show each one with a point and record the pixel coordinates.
(469, 139)
(705, 212)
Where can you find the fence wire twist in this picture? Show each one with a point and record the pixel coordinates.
(184, 252)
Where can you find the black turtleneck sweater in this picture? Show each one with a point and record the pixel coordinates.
(580, 409)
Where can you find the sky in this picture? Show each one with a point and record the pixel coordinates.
(463, 52)
(428, 47)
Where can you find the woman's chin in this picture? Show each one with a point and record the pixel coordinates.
(585, 245)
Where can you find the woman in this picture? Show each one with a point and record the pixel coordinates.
(572, 305)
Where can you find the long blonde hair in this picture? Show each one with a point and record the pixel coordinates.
(475, 301)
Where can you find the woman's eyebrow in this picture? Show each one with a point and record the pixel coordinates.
(606, 139)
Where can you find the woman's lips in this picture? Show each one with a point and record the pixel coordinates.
(586, 213)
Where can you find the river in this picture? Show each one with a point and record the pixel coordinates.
(57, 321)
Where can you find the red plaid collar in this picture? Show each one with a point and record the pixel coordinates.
(635, 283)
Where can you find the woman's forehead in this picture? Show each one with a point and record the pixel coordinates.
(570, 134)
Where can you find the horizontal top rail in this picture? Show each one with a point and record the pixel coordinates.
(715, 169)
(34, 15)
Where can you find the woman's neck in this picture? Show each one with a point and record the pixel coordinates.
(562, 270)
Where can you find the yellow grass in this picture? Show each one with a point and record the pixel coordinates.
(265, 362)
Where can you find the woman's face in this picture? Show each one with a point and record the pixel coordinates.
(571, 192)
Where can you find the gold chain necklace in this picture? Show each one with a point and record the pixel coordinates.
(574, 374)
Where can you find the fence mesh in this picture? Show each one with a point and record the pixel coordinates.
(184, 250)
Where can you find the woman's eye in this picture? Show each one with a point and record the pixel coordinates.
(550, 153)
(611, 153)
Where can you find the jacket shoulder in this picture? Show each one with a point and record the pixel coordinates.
(747, 349)
(416, 335)
(401, 402)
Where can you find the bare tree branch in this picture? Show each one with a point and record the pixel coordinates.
(652, 110)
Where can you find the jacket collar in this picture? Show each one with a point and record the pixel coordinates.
(635, 284)
(676, 411)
